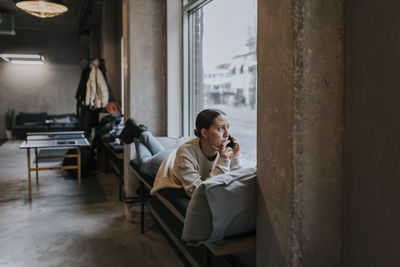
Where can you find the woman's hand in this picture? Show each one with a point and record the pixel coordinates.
(222, 149)
(235, 153)
(228, 152)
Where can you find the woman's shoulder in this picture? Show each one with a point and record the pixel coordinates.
(194, 142)
(189, 147)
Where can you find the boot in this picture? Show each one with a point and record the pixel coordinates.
(131, 130)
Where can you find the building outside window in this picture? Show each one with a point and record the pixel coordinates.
(223, 67)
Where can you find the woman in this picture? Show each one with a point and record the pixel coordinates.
(199, 159)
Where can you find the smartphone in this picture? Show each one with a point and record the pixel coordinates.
(232, 143)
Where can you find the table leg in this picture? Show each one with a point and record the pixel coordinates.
(37, 171)
(78, 151)
(28, 153)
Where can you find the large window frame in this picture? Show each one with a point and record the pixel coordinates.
(192, 15)
(189, 8)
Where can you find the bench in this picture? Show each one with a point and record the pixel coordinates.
(168, 206)
(114, 157)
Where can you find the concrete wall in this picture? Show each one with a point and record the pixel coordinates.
(372, 161)
(111, 44)
(36, 88)
(300, 132)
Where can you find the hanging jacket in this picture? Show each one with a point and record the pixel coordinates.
(80, 95)
(97, 95)
(102, 67)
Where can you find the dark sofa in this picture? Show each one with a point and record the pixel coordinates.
(43, 122)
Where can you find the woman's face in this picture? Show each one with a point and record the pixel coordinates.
(218, 131)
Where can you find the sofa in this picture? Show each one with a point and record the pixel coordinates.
(43, 122)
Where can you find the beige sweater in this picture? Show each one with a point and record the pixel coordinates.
(187, 167)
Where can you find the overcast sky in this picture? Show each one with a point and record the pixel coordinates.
(226, 30)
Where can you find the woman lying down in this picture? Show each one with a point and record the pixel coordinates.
(212, 152)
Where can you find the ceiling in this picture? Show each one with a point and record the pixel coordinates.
(81, 16)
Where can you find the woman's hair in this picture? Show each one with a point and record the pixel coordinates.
(205, 119)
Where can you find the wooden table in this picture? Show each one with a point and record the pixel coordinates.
(47, 140)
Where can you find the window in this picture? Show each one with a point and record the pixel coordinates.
(221, 43)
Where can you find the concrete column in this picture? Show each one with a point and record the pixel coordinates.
(129, 184)
(300, 132)
(148, 64)
(174, 68)
(144, 34)
(371, 159)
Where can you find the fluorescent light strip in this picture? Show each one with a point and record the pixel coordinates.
(18, 61)
(19, 56)
(23, 59)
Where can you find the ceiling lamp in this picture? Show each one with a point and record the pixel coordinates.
(42, 8)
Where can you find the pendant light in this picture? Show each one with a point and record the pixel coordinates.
(42, 8)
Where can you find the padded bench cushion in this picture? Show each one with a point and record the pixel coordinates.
(116, 148)
(147, 178)
(177, 197)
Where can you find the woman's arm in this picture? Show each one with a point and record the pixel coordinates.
(235, 164)
(188, 171)
(188, 176)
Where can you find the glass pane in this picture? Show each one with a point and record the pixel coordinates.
(225, 67)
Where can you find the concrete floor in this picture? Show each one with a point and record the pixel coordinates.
(60, 228)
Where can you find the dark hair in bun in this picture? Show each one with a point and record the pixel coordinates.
(205, 119)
